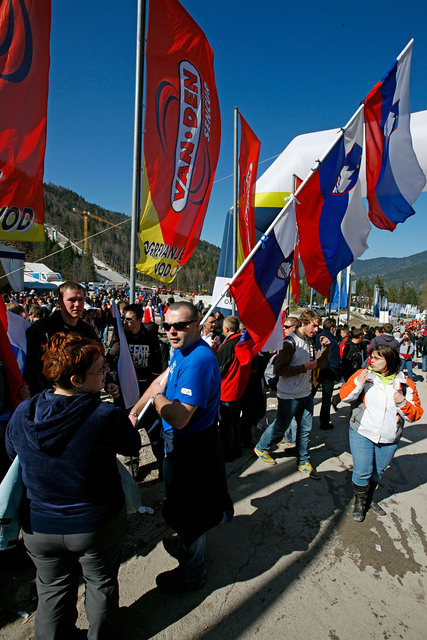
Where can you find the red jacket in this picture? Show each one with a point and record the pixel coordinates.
(234, 376)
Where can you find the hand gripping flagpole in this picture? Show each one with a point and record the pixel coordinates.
(292, 198)
(150, 401)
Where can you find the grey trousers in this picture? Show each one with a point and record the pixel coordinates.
(60, 560)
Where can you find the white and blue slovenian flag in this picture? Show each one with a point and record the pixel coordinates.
(127, 378)
(16, 330)
(394, 177)
(261, 287)
(332, 222)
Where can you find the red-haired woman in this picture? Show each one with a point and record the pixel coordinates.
(383, 398)
(67, 441)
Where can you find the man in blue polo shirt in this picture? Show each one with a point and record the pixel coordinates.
(197, 498)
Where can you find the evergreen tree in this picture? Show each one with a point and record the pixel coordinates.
(392, 294)
(402, 292)
(67, 258)
(411, 296)
(87, 271)
(423, 296)
(380, 282)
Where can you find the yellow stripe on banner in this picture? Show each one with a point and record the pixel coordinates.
(266, 200)
(157, 259)
(271, 199)
(240, 254)
(34, 233)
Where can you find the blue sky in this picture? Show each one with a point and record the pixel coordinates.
(290, 68)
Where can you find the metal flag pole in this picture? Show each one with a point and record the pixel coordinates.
(280, 215)
(348, 284)
(137, 144)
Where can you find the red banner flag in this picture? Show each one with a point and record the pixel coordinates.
(11, 368)
(181, 141)
(248, 166)
(24, 73)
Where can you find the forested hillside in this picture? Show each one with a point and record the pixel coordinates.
(110, 244)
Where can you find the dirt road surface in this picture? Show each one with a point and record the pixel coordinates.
(291, 565)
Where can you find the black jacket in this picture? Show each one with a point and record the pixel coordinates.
(38, 335)
(351, 359)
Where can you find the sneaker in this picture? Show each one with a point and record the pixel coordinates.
(308, 470)
(286, 444)
(171, 582)
(265, 456)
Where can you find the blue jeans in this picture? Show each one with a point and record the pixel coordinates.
(425, 362)
(302, 410)
(290, 434)
(370, 460)
(192, 558)
(408, 365)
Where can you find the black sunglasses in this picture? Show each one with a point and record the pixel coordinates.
(288, 326)
(178, 326)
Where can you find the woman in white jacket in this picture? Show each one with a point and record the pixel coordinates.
(383, 398)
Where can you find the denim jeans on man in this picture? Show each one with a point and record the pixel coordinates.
(370, 459)
(302, 410)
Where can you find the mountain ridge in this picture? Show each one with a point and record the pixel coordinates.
(410, 269)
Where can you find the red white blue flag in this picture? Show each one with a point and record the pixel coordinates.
(260, 288)
(332, 222)
(394, 177)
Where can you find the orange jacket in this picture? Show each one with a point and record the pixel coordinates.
(377, 417)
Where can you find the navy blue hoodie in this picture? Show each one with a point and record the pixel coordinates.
(67, 448)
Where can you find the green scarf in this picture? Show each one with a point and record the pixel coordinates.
(384, 379)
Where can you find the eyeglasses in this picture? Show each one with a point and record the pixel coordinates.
(127, 319)
(101, 372)
(178, 326)
(289, 326)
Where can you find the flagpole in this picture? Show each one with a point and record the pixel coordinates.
(403, 53)
(235, 198)
(288, 292)
(348, 283)
(280, 215)
(137, 144)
